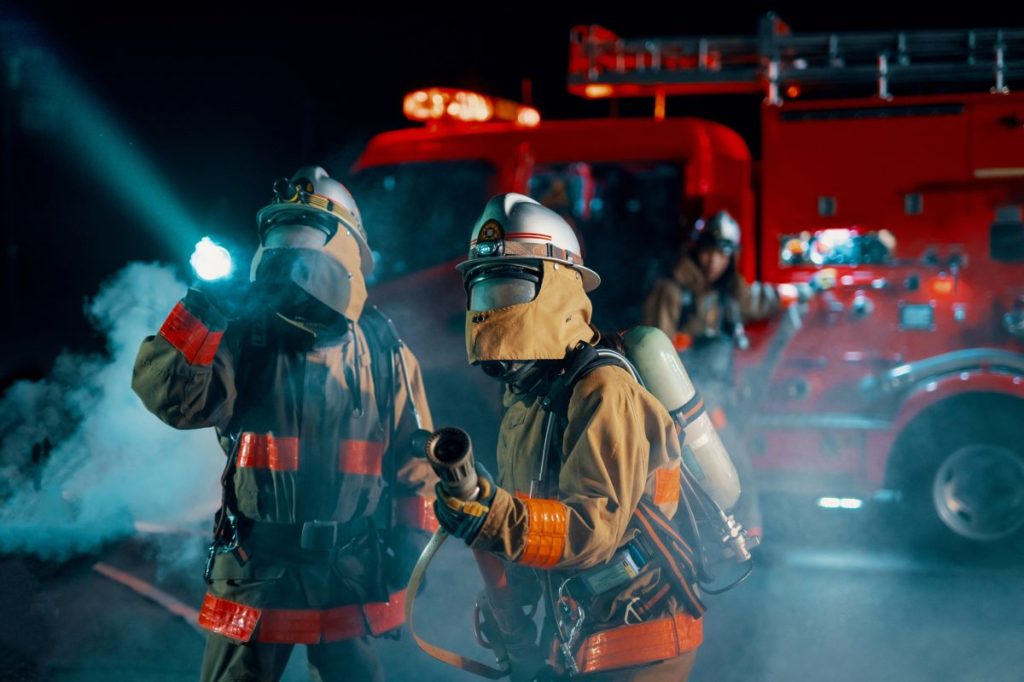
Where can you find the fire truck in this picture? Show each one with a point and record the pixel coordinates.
(895, 160)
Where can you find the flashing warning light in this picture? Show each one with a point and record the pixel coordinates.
(793, 91)
(447, 104)
(210, 260)
(597, 90)
(942, 286)
(528, 117)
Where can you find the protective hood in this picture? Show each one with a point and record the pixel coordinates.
(545, 328)
(331, 274)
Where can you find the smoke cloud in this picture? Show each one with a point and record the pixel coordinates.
(81, 460)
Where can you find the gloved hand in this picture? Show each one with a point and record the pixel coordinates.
(465, 518)
(225, 297)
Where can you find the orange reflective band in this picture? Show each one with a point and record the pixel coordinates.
(301, 626)
(228, 618)
(416, 512)
(267, 451)
(190, 336)
(666, 485)
(547, 527)
(385, 616)
(632, 645)
(360, 457)
(292, 626)
(281, 453)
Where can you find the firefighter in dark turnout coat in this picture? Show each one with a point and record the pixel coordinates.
(315, 400)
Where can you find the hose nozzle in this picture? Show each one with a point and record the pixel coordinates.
(450, 452)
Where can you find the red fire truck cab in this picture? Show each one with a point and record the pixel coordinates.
(895, 162)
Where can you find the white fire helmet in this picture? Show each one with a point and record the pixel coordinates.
(721, 231)
(314, 199)
(515, 229)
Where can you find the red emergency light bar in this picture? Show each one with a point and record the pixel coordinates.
(463, 106)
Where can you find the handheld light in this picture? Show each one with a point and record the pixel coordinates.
(211, 261)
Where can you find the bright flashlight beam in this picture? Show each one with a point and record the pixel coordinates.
(112, 156)
(210, 260)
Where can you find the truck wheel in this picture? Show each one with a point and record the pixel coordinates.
(978, 492)
(965, 479)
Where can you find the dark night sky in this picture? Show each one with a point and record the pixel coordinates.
(222, 101)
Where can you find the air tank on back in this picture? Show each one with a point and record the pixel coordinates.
(704, 454)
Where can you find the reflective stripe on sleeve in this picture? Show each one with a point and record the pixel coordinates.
(547, 528)
(666, 484)
(190, 336)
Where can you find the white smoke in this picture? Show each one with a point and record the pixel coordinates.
(81, 460)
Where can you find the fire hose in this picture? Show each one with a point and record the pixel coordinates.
(440, 653)
(451, 456)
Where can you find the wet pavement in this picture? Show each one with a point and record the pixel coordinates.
(836, 596)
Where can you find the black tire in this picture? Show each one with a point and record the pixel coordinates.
(960, 469)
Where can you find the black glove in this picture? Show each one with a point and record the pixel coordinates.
(463, 518)
(222, 299)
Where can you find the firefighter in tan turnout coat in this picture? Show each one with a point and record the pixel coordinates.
(588, 468)
(314, 399)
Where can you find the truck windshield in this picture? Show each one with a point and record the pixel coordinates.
(627, 216)
(418, 215)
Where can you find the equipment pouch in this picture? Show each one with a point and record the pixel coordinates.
(360, 566)
(615, 574)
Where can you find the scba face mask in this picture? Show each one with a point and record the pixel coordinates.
(546, 327)
(305, 260)
(501, 286)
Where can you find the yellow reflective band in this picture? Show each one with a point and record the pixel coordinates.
(326, 204)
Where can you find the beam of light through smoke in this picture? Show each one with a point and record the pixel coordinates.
(107, 462)
(110, 153)
(106, 149)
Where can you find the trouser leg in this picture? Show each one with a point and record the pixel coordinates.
(351, 659)
(225, 660)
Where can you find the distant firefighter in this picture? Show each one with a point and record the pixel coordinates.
(703, 307)
(579, 515)
(315, 400)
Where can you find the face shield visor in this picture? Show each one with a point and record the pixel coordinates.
(294, 237)
(501, 286)
(302, 267)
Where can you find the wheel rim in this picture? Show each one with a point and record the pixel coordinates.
(978, 492)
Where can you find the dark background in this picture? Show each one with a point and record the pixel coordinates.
(219, 101)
